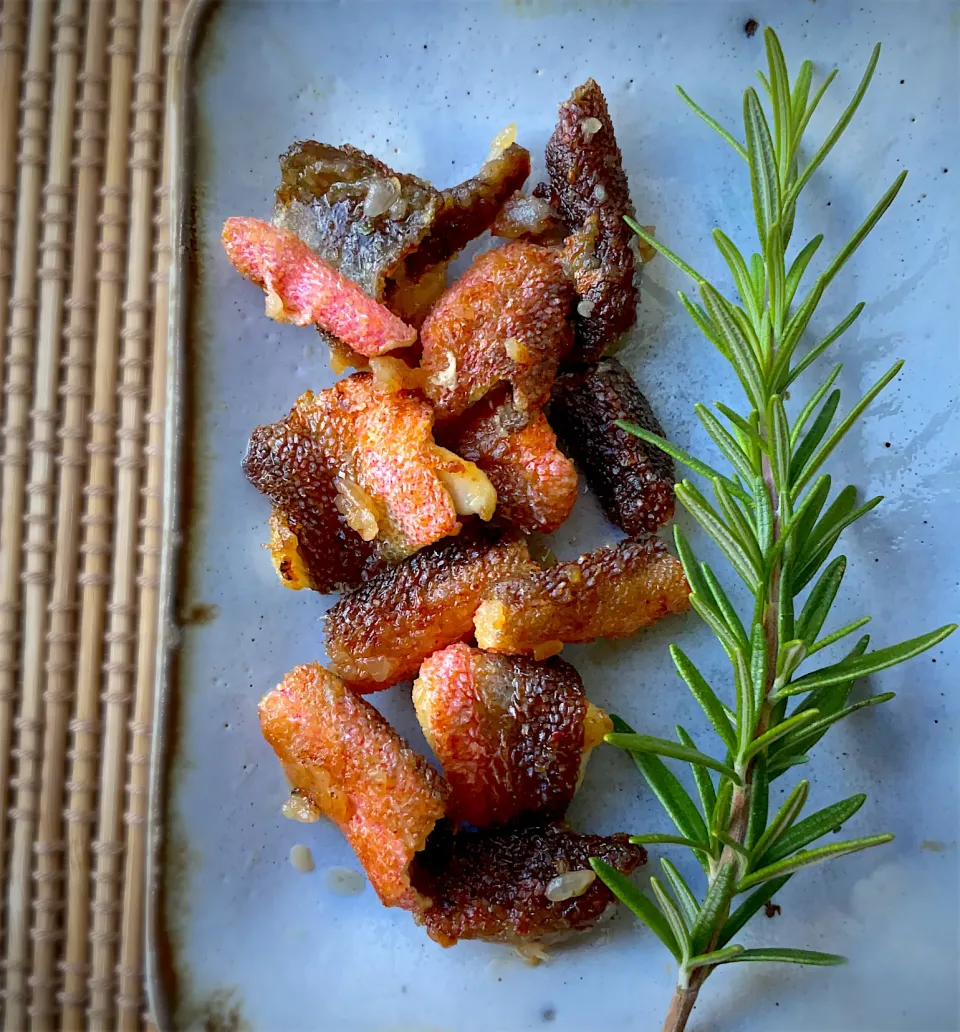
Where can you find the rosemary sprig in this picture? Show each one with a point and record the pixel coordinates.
(773, 519)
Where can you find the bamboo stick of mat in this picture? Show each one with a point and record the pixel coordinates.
(17, 388)
(97, 521)
(46, 932)
(13, 20)
(121, 637)
(54, 248)
(129, 992)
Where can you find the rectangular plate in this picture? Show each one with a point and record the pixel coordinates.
(238, 937)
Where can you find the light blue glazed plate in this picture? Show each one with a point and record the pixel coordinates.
(240, 939)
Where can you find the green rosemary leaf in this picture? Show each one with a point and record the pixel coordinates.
(713, 123)
(814, 104)
(863, 230)
(701, 776)
(814, 435)
(674, 798)
(798, 323)
(822, 545)
(724, 606)
(668, 840)
(691, 567)
(726, 442)
(782, 820)
(688, 460)
(707, 612)
(775, 733)
(804, 739)
(741, 354)
(663, 249)
(721, 812)
(704, 324)
(838, 510)
(809, 857)
(707, 517)
(792, 654)
(685, 898)
(817, 607)
(713, 907)
(798, 267)
(705, 695)
(716, 957)
(836, 635)
(741, 425)
(817, 350)
(645, 909)
(758, 277)
(738, 269)
(681, 933)
(776, 278)
(763, 82)
(761, 157)
(833, 697)
(780, 101)
(642, 744)
(777, 954)
(824, 450)
(780, 450)
(764, 520)
(759, 804)
(728, 840)
(811, 406)
(737, 521)
(818, 824)
(754, 902)
(758, 664)
(837, 131)
(746, 713)
(805, 514)
(871, 663)
(801, 91)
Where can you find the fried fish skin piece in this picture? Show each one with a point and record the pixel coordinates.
(506, 320)
(492, 884)
(379, 635)
(536, 483)
(357, 479)
(469, 209)
(632, 480)
(343, 756)
(609, 593)
(513, 735)
(587, 180)
(302, 289)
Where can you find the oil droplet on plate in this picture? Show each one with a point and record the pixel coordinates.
(302, 859)
(345, 881)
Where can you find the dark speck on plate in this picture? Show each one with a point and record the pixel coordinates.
(750, 26)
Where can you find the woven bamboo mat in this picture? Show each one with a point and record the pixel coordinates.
(83, 294)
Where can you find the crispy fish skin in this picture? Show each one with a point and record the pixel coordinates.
(588, 182)
(380, 634)
(302, 289)
(340, 753)
(536, 483)
(351, 446)
(506, 320)
(632, 480)
(491, 884)
(469, 209)
(511, 733)
(609, 593)
(323, 198)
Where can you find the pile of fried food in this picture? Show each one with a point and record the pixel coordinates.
(410, 486)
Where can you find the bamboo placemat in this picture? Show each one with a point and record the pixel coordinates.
(84, 256)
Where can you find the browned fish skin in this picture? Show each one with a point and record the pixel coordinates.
(505, 321)
(490, 884)
(609, 593)
(376, 448)
(588, 181)
(381, 633)
(321, 198)
(469, 209)
(340, 753)
(632, 480)
(536, 483)
(509, 732)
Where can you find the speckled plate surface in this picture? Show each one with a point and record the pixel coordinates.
(244, 940)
